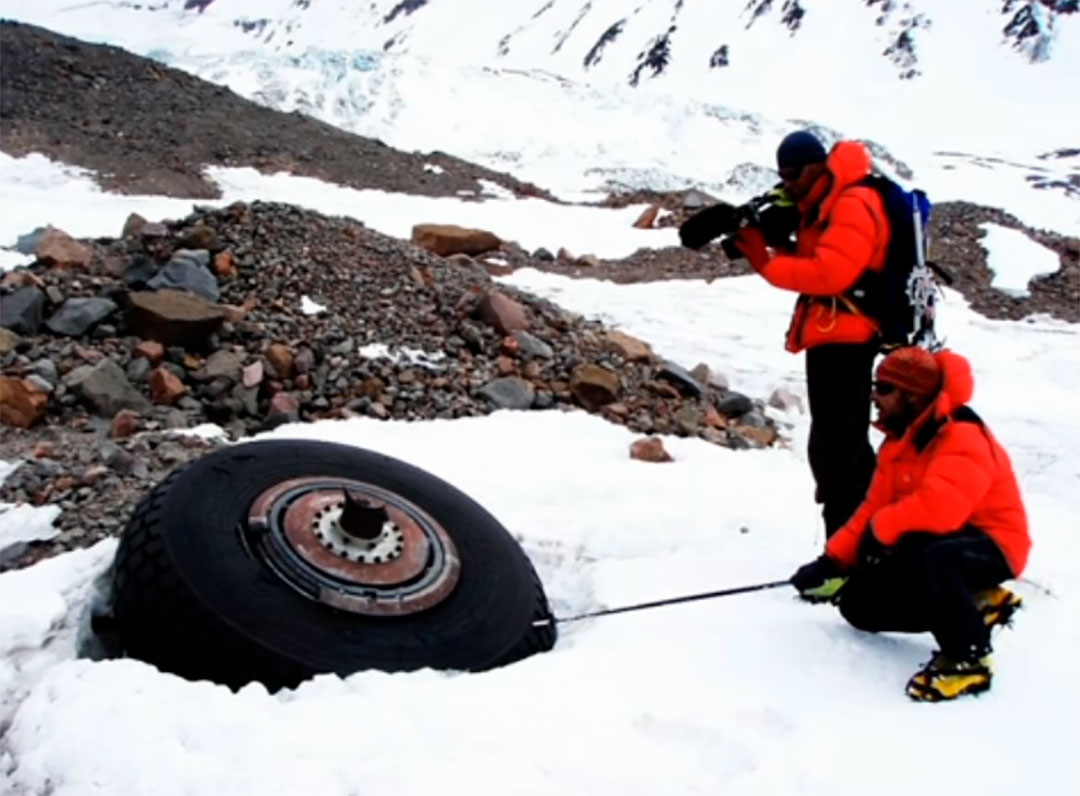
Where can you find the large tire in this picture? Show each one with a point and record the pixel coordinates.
(193, 596)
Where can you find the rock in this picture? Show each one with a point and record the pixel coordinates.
(682, 379)
(629, 348)
(650, 449)
(224, 266)
(734, 404)
(124, 424)
(21, 404)
(281, 359)
(58, 248)
(593, 385)
(27, 244)
(199, 237)
(706, 375)
(694, 200)
(252, 374)
(186, 273)
(105, 388)
(8, 340)
(139, 272)
(23, 310)
(588, 260)
(755, 437)
(76, 316)
(447, 239)
(284, 408)
(532, 346)
(150, 350)
(543, 255)
(502, 313)
(133, 226)
(221, 364)
(647, 217)
(166, 388)
(173, 317)
(46, 369)
(784, 399)
(510, 392)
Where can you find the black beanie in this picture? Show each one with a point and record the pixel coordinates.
(798, 149)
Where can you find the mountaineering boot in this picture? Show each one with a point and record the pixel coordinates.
(945, 678)
(997, 605)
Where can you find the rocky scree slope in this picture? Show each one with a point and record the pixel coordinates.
(143, 127)
(258, 314)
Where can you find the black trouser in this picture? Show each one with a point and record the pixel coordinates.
(841, 459)
(925, 582)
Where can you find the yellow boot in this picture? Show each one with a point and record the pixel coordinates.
(997, 605)
(944, 678)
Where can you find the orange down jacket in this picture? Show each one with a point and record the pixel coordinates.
(844, 231)
(944, 474)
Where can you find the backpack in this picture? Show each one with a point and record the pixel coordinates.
(900, 297)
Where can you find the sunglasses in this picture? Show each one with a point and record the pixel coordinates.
(791, 173)
(884, 388)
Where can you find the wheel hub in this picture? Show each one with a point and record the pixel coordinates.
(355, 546)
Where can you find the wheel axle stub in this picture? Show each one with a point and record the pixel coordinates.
(352, 545)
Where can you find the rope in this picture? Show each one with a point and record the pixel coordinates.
(658, 603)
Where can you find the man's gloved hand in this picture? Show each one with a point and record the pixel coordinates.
(751, 243)
(707, 224)
(730, 248)
(819, 581)
(778, 222)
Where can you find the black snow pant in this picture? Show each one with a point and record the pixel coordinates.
(838, 380)
(926, 583)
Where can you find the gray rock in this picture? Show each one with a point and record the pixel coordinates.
(509, 392)
(681, 378)
(23, 310)
(28, 243)
(106, 389)
(46, 369)
(544, 255)
(185, 274)
(533, 346)
(140, 271)
(734, 404)
(76, 316)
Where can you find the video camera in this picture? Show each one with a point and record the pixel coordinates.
(773, 212)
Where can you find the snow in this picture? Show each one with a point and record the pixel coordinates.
(754, 694)
(1016, 259)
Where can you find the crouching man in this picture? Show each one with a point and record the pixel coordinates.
(942, 525)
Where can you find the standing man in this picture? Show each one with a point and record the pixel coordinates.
(843, 233)
(941, 527)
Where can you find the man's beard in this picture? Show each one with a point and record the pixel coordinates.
(901, 421)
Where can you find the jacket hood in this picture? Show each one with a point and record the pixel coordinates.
(847, 163)
(957, 382)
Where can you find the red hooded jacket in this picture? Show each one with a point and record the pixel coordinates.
(844, 231)
(947, 472)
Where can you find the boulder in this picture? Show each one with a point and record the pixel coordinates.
(56, 247)
(23, 310)
(447, 239)
(593, 385)
(173, 317)
(650, 449)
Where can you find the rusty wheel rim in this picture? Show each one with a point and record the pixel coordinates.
(352, 545)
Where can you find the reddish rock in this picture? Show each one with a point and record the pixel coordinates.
(648, 217)
(650, 449)
(58, 248)
(713, 419)
(593, 385)
(133, 226)
(252, 375)
(21, 404)
(281, 358)
(628, 347)
(447, 239)
(504, 366)
(510, 345)
(502, 313)
(173, 317)
(284, 403)
(124, 424)
(165, 387)
(760, 437)
(150, 350)
(224, 266)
